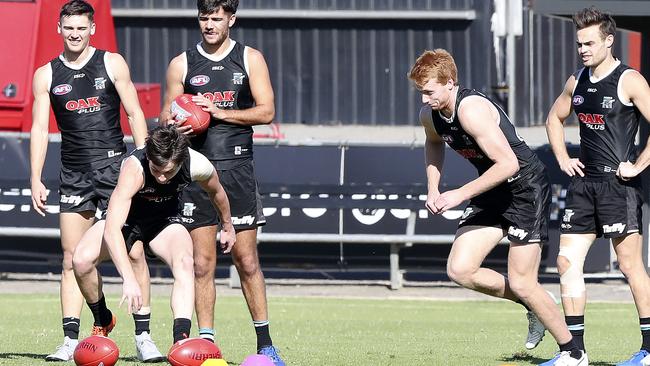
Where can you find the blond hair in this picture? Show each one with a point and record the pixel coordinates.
(435, 65)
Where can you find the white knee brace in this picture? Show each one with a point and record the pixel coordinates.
(572, 281)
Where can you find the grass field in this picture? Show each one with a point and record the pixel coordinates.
(329, 331)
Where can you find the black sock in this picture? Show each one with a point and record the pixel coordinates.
(571, 347)
(181, 328)
(576, 324)
(645, 333)
(262, 331)
(102, 315)
(141, 323)
(522, 304)
(71, 327)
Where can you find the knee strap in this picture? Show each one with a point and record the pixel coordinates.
(572, 280)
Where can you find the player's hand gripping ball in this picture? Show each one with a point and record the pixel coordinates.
(190, 113)
(192, 352)
(95, 351)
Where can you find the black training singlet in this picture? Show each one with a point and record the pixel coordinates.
(155, 200)
(87, 110)
(224, 81)
(458, 139)
(607, 126)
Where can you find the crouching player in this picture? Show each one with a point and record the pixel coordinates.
(144, 209)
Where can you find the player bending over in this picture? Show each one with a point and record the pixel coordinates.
(144, 208)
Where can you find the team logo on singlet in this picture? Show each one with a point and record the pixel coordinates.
(578, 99)
(62, 89)
(222, 99)
(100, 83)
(237, 78)
(592, 121)
(608, 103)
(87, 105)
(199, 80)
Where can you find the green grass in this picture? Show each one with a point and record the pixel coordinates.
(329, 331)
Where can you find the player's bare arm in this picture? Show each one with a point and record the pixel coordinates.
(174, 86)
(129, 182)
(560, 111)
(128, 96)
(635, 87)
(39, 135)
(480, 119)
(260, 83)
(174, 81)
(220, 201)
(434, 157)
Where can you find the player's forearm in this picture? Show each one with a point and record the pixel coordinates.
(643, 160)
(221, 203)
(165, 114)
(117, 249)
(433, 179)
(434, 154)
(555, 132)
(495, 175)
(138, 126)
(37, 152)
(258, 115)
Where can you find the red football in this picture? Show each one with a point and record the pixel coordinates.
(96, 350)
(193, 115)
(192, 352)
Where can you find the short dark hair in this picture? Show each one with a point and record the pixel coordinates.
(165, 144)
(593, 16)
(210, 6)
(77, 7)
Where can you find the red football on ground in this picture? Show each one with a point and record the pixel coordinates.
(96, 350)
(193, 115)
(192, 352)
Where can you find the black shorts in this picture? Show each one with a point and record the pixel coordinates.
(245, 201)
(87, 191)
(520, 208)
(608, 207)
(145, 231)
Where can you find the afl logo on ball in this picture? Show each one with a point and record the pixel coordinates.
(578, 99)
(199, 80)
(62, 89)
